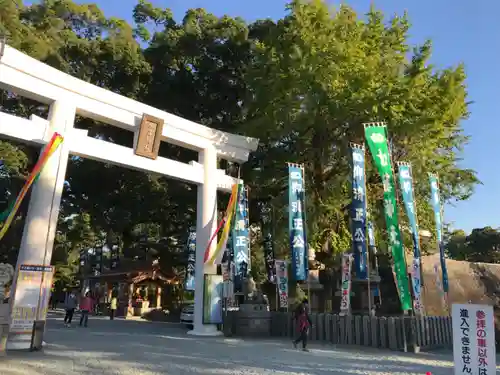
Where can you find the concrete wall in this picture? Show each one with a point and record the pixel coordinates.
(469, 282)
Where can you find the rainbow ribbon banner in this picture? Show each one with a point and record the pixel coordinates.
(45, 155)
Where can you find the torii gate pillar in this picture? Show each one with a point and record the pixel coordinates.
(206, 225)
(43, 210)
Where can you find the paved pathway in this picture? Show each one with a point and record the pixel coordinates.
(140, 348)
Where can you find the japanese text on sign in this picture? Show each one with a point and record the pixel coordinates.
(482, 345)
(240, 239)
(345, 300)
(191, 261)
(473, 339)
(436, 206)
(282, 282)
(267, 240)
(358, 212)
(296, 222)
(406, 183)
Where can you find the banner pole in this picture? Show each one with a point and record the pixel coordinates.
(304, 211)
(417, 236)
(389, 147)
(288, 291)
(395, 237)
(398, 202)
(276, 289)
(405, 312)
(367, 244)
(273, 231)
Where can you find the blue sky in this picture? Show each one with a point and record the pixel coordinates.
(462, 31)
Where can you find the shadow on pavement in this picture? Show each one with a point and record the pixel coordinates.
(124, 347)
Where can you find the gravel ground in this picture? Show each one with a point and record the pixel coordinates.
(140, 348)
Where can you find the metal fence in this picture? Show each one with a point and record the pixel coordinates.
(394, 333)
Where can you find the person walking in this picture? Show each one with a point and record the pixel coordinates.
(70, 305)
(303, 324)
(86, 305)
(113, 305)
(55, 300)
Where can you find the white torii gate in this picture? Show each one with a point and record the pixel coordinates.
(69, 96)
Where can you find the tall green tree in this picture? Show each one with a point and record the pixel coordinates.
(303, 84)
(316, 77)
(481, 245)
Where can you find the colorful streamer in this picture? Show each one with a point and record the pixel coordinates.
(47, 152)
(221, 245)
(232, 201)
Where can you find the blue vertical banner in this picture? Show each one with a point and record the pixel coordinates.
(436, 206)
(358, 211)
(191, 259)
(406, 184)
(240, 240)
(297, 222)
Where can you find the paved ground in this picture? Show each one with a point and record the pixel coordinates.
(141, 348)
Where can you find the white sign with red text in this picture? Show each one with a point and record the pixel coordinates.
(473, 339)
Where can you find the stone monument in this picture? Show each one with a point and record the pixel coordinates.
(254, 317)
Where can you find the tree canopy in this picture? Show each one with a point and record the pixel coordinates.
(303, 84)
(481, 245)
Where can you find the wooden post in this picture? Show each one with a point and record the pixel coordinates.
(158, 297)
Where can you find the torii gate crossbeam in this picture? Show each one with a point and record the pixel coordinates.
(68, 97)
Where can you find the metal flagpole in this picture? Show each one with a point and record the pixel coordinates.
(389, 144)
(398, 204)
(421, 312)
(304, 210)
(273, 231)
(367, 245)
(405, 313)
(417, 237)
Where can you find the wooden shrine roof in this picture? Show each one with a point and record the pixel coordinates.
(137, 271)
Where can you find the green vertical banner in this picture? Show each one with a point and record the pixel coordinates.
(376, 139)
